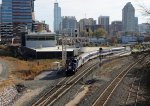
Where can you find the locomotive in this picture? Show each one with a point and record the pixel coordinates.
(75, 63)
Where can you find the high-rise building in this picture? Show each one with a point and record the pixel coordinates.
(17, 14)
(86, 22)
(136, 24)
(130, 22)
(82, 23)
(0, 21)
(0, 13)
(144, 28)
(68, 25)
(57, 18)
(6, 18)
(104, 20)
(41, 26)
(116, 26)
(6, 11)
(23, 13)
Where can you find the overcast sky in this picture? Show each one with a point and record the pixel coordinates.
(86, 8)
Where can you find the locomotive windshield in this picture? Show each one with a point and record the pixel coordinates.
(74, 61)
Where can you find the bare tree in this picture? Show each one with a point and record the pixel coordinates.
(145, 11)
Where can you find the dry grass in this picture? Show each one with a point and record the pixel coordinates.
(28, 69)
(109, 66)
(6, 83)
(2, 47)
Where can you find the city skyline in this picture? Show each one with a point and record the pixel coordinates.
(79, 8)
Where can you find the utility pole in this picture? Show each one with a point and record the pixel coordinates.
(64, 51)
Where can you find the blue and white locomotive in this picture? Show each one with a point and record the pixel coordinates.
(75, 63)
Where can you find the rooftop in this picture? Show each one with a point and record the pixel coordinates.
(41, 33)
(52, 49)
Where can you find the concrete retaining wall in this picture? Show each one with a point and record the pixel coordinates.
(7, 96)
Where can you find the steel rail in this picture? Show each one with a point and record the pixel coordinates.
(138, 87)
(60, 92)
(59, 84)
(42, 99)
(43, 96)
(107, 93)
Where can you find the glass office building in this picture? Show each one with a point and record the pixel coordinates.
(22, 11)
(6, 11)
(19, 13)
(57, 18)
(0, 14)
(6, 18)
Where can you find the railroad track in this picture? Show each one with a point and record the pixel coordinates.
(107, 93)
(139, 85)
(133, 94)
(62, 87)
(47, 93)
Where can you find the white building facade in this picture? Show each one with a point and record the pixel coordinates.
(40, 40)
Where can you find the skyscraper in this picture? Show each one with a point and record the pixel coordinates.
(68, 25)
(6, 11)
(144, 28)
(23, 12)
(116, 26)
(6, 18)
(104, 20)
(17, 14)
(0, 13)
(86, 22)
(129, 20)
(57, 17)
(136, 24)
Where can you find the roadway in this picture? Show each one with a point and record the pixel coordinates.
(3, 70)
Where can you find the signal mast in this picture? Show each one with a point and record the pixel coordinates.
(64, 50)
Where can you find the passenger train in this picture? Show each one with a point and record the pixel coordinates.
(75, 63)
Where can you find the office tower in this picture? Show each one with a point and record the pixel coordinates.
(116, 26)
(86, 22)
(0, 13)
(68, 25)
(16, 14)
(57, 18)
(130, 22)
(104, 20)
(6, 18)
(23, 12)
(144, 28)
(136, 24)
(41, 26)
(0, 21)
